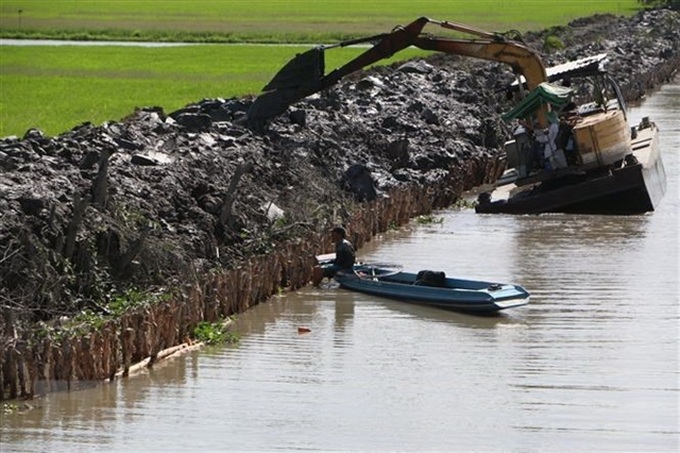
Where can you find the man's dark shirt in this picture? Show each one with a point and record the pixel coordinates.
(344, 254)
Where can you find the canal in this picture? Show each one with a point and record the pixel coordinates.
(591, 364)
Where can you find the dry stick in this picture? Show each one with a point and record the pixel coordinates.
(134, 249)
(7, 254)
(59, 241)
(2, 375)
(8, 374)
(100, 185)
(228, 200)
(79, 206)
(11, 368)
(282, 230)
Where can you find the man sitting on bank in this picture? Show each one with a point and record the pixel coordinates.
(344, 257)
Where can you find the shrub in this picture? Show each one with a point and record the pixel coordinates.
(552, 42)
(214, 333)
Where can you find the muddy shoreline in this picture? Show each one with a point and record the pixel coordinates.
(159, 221)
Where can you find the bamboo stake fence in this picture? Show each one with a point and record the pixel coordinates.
(144, 336)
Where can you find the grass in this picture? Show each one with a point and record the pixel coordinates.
(57, 88)
(290, 20)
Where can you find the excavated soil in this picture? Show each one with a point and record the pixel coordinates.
(157, 198)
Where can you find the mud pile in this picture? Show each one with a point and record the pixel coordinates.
(156, 199)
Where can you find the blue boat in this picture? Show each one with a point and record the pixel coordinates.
(433, 289)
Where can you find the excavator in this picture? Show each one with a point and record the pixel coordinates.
(304, 74)
(563, 157)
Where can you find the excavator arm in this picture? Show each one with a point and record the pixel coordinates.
(304, 74)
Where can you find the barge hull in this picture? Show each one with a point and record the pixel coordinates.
(634, 188)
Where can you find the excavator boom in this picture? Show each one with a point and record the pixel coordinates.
(305, 74)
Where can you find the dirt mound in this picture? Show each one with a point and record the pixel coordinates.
(156, 198)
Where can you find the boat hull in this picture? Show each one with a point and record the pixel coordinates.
(468, 296)
(634, 188)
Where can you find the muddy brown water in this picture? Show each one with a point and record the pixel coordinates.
(591, 364)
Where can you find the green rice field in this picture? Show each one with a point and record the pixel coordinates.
(289, 20)
(57, 88)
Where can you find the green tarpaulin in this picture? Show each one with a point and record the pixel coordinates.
(545, 93)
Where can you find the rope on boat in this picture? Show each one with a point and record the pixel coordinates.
(375, 270)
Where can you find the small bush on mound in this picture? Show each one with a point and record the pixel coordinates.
(552, 42)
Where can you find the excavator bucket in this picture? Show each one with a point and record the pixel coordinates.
(300, 77)
(306, 68)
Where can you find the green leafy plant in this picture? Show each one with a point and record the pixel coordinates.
(9, 408)
(428, 219)
(89, 319)
(552, 42)
(462, 203)
(214, 333)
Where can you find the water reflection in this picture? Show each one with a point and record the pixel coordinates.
(345, 301)
(563, 256)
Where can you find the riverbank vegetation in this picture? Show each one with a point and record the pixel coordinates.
(56, 88)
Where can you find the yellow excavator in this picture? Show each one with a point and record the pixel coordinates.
(304, 74)
(552, 160)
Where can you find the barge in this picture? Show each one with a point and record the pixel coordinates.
(598, 164)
